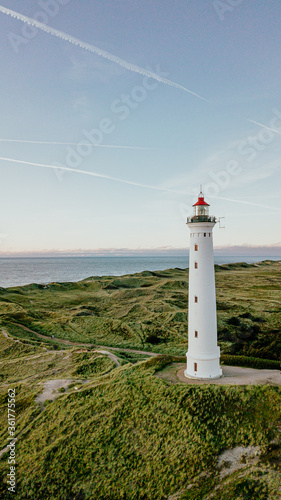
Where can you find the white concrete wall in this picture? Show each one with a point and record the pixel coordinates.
(202, 316)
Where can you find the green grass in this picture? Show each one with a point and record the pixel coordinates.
(128, 435)
(255, 484)
(265, 364)
(27, 409)
(25, 368)
(129, 357)
(148, 310)
(124, 433)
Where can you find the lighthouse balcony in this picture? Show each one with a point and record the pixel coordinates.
(201, 218)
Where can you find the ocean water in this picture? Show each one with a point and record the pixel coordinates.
(23, 271)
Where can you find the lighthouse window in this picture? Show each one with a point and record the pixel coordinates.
(196, 248)
(196, 334)
(209, 234)
(195, 367)
(195, 299)
(196, 265)
(204, 235)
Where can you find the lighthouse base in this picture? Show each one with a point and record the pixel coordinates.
(203, 369)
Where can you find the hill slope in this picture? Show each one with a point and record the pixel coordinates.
(127, 435)
(149, 310)
(121, 432)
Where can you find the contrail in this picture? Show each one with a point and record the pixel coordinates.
(131, 183)
(86, 172)
(244, 202)
(264, 126)
(95, 50)
(74, 144)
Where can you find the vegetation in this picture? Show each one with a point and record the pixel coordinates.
(122, 432)
(148, 311)
(128, 435)
(263, 364)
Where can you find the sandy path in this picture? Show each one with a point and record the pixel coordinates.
(234, 375)
(237, 375)
(10, 338)
(51, 389)
(23, 358)
(7, 447)
(230, 460)
(111, 356)
(50, 392)
(80, 344)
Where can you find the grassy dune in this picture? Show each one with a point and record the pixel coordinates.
(124, 433)
(127, 435)
(148, 310)
(26, 368)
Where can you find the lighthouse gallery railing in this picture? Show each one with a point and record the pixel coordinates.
(201, 218)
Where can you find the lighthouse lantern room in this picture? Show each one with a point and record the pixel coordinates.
(203, 352)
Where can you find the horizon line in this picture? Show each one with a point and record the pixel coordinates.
(228, 250)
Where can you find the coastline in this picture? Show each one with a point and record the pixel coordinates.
(23, 271)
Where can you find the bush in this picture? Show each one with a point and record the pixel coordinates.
(159, 362)
(266, 364)
(153, 339)
(234, 321)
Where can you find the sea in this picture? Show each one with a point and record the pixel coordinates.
(23, 271)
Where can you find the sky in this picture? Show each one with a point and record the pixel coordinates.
(126, 108)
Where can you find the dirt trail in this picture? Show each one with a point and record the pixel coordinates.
(110, 355)
(50, 392)
(4, 450)
(237, 458)
(23, 358)
(80, 344)
(10, 338)
(51, 388)
(47, 352)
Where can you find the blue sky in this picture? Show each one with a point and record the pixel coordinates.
(228, 53)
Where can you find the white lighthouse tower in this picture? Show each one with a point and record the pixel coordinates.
(203, 352)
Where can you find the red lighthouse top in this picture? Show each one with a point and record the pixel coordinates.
(201, 200)
(201, 211)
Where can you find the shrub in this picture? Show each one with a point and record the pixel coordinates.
(266, 364)
(159, 362)
(234, 321)
(153, 339)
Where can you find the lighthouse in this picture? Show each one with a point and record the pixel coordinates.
(203, 352)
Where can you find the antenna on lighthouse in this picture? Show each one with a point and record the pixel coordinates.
(220, 222)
